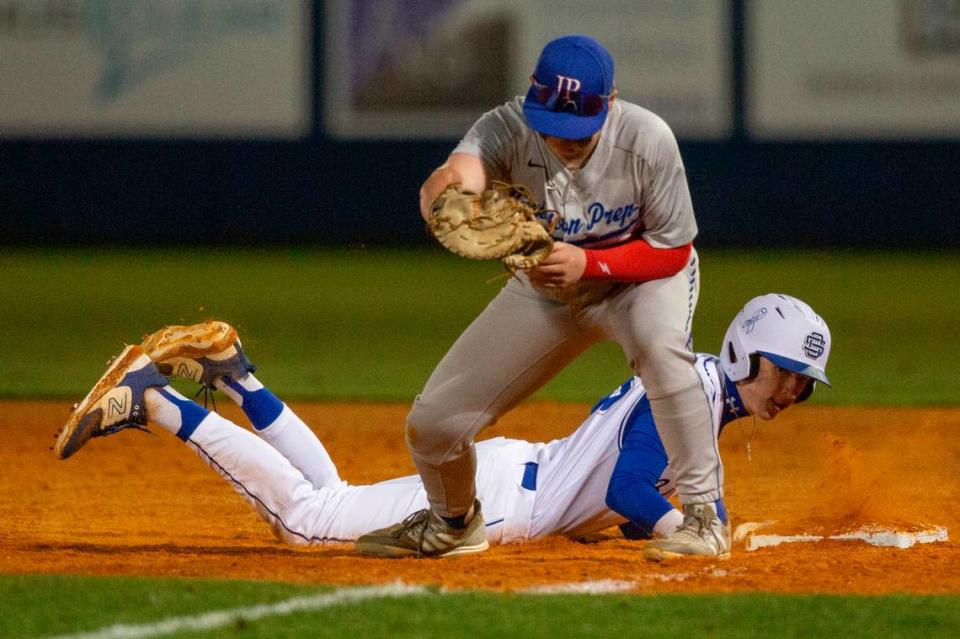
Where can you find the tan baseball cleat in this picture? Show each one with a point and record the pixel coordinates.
(114, 403)
(424, 534)
(201, 352)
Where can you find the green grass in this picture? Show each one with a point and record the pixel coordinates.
(45, 605)
(371, 324)
(38, 606)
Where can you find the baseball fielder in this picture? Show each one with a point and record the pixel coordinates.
(622, 268)
(611, 470)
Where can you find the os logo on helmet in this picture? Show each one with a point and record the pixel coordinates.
(813, 345)
(748, 325)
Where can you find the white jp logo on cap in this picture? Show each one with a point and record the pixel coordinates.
(571, 84)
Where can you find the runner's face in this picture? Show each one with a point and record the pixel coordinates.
(773, 390)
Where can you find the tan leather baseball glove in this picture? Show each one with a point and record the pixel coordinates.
(500, 223)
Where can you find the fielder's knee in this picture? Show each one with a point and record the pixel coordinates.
(434, 435)
(666, 366)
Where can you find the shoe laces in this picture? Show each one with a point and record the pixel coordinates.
(415, 525)
(208, 397)
(116, 428)
(694, 520)
(697, 525)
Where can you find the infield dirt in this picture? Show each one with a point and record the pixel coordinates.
(135, 504)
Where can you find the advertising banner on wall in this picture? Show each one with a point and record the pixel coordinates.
(874, 69)
(155, 68)
(429, 68)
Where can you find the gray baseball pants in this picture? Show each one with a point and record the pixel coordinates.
(523, 338)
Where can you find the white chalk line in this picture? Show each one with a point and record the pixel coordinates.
(221, 618)
(613, 586)
(600, 587)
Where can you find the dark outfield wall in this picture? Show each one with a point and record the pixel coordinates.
(329, 191)
(746, 194)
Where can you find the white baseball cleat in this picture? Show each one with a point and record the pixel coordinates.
(702, 533)
(201, 352)
(114, 403)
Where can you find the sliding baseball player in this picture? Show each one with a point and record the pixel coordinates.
(612, 470)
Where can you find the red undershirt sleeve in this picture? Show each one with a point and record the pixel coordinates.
(635, 261)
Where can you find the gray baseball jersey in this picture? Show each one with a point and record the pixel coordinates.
(633, 186)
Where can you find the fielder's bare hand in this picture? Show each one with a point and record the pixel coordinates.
(563, 267)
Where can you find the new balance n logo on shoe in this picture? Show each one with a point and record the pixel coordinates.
(189, 370)
(117, 407)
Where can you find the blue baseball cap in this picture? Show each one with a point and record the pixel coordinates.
(572, 84)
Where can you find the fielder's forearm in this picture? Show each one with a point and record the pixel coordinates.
(635, 261)
(464, 169)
